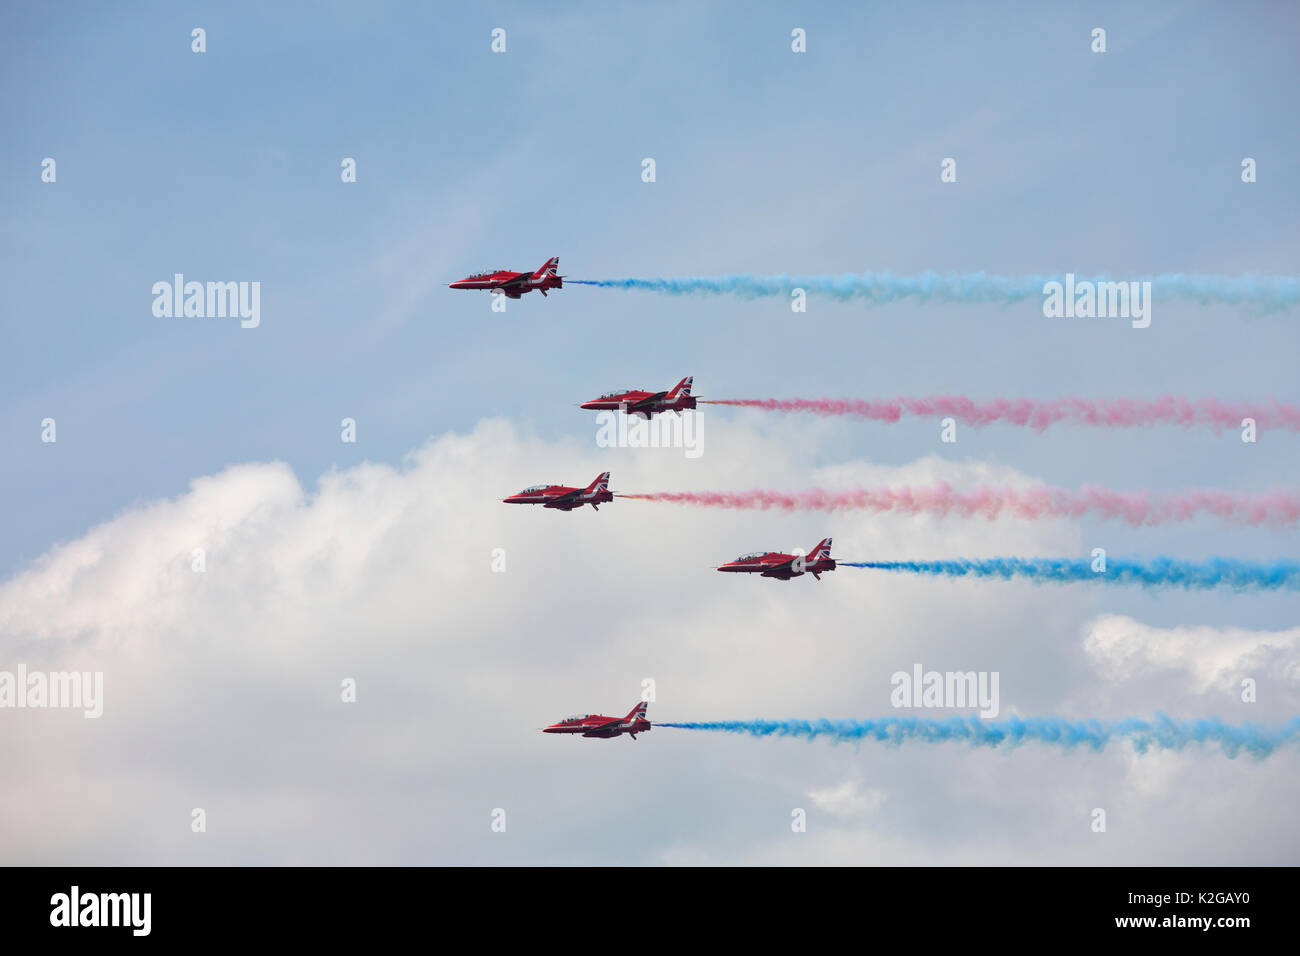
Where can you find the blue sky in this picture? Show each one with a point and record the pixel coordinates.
(225, 166)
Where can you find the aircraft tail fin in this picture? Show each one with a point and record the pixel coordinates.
(600, 484)
(638, 712)
(682, 388)
(550, 265)
(822, 550)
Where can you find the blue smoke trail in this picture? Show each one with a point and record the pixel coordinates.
(1266, 293)
(1160, 733)
(1153, 573)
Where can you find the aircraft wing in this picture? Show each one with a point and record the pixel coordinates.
(785, 567)
(566, 498)
(516, 280)
(648, 401)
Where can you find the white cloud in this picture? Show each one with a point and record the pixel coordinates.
(222, 688)
(848, 799)
(1212, 657)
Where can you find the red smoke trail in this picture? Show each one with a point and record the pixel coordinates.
(1137, 508)
(1041, 414)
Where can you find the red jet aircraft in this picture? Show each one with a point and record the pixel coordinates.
(514, 284)
(774, 564)
(598, 725)
(646, 404)
(564, 497)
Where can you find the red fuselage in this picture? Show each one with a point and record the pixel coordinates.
(564, 497)
(598, 725)
(514, 284)
(782, 566)
(636, 402)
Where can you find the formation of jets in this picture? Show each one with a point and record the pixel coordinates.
(514, 284)
(768, 564)
(598, 725)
